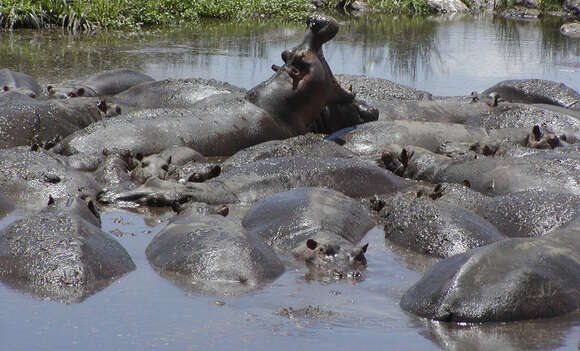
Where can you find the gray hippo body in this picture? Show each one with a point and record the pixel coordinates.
(28, 178)
(254, 181)
(547, 171)
(283, 106)
(61, 252)
(213, 254)
(27, 121)
(319, 226)
(536, 91)
(100, 84)
(285, 220)
(219, 125)
(514, 279)
(433, 228)
(372, 138)
(302, 145)
(19, 82)
(171, 93)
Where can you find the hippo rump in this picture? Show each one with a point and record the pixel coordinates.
(211, 254)
(256, 180)
(27, 121)
(285, 105)
(61, 252)
(514, 279)
(100, 84)
(19, 82)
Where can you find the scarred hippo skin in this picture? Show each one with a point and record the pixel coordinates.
(514, 279)
(257, 180)
(213, 254)
(20, 82)
(219, 125)
(547, 171)
(300, 89)
(430, 227)
(29, 177)
(27, 121)
(100, 84)
(61, 252)
(536, 91)
(171, 93)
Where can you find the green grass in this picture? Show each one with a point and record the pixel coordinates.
(408, 7)
(112, 14)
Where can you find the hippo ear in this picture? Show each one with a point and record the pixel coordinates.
(93, 209)
(467, 183)
(364, 248)
(50, 200)
(169, 160)
(50, 89)
(536, 133)
(80, 92)
(311, 244)
(6, 88)
(139, 156)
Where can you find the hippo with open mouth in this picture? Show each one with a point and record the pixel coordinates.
(285, 105)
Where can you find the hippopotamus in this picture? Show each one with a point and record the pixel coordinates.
(19, 82)
(28, 178)
(213, 254)
(222, 124)
(61, 252)
(536, 91)
(319, 226)
(510, 280)
(417, 222)
(547, 171)
(171, 93)
(164, 165)
(254, 181)
(371, 138)
(313, 145)
(28, 121)
(100, 84)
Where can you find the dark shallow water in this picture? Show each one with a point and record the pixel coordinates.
(142, 310)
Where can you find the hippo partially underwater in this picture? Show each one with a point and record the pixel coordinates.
(256, 182)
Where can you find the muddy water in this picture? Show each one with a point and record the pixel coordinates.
(143, 311)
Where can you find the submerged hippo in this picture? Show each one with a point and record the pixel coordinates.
(256, 180)
(514, 279)
(28, 178)
(100, 84)
(61, 252)
(319, 226)
(19, 82)
(222, 124)
(213, 254)
(27, 121)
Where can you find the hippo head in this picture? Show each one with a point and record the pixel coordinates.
(331, 260)
(300, 89)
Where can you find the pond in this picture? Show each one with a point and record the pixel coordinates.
(143, 311)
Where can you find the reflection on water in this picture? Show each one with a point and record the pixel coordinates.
(446, 56)
(142, 310)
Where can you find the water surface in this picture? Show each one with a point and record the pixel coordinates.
(143, 311)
